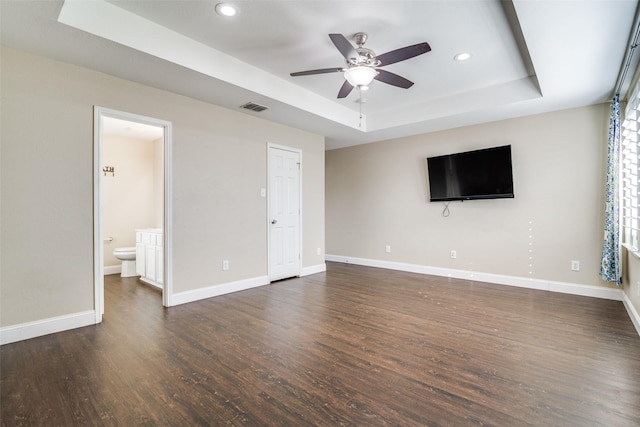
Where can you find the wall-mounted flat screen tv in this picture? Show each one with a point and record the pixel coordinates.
(472, 175)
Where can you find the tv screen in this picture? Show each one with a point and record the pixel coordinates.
(480, 174)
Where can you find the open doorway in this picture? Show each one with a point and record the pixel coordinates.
(132, 198)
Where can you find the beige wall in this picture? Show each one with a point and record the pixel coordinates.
(377, 194)
(219, 165)
(129, 195)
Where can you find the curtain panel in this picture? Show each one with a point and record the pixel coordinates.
(610, 270)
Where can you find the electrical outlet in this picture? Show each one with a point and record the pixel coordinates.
(225, 264)
(319, 251)
(387, 249)
(638, 288)
(454, 254)
(575, 265)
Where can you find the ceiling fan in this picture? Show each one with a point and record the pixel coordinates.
(362, 64)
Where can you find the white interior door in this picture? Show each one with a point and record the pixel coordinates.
(284, 213)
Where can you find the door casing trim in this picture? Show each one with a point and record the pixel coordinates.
(98, 245)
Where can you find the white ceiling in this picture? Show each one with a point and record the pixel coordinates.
(132, 130)
(529, 56)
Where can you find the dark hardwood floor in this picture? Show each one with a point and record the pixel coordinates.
(353, 346)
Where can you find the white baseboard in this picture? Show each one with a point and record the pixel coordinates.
(547, 285)
(52, 325)
(24, 331)
(633, 313)
(112, 269)
(240, 285)
(314, 269)
(217, 290)
(151, 283)
(615, 294)
(38, 328)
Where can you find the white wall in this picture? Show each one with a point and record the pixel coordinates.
(219, 165)
(377, 195)
(130, 195)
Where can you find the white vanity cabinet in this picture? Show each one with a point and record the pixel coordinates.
(149, 256)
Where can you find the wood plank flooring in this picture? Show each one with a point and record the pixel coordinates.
(354, 346)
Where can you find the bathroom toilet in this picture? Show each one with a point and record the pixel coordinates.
(128, 258)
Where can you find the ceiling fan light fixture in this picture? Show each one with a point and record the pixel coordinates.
(360, 76)
(226, 9)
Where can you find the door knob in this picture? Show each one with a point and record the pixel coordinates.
(273, 221)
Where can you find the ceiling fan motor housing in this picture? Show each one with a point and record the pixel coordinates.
(365, 57)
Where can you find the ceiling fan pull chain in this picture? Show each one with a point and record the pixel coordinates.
(360, 102)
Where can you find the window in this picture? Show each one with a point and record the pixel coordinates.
(630, 141)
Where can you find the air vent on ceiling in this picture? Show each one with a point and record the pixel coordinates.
(254, 107)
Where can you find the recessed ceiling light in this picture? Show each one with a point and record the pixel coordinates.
(462, 56)
(225, 9)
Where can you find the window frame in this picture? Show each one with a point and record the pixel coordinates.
(630, 174)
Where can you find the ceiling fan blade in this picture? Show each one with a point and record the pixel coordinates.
(346, 49)
(345, 90)
(393, 79)
(319, 71)
(403, 53)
